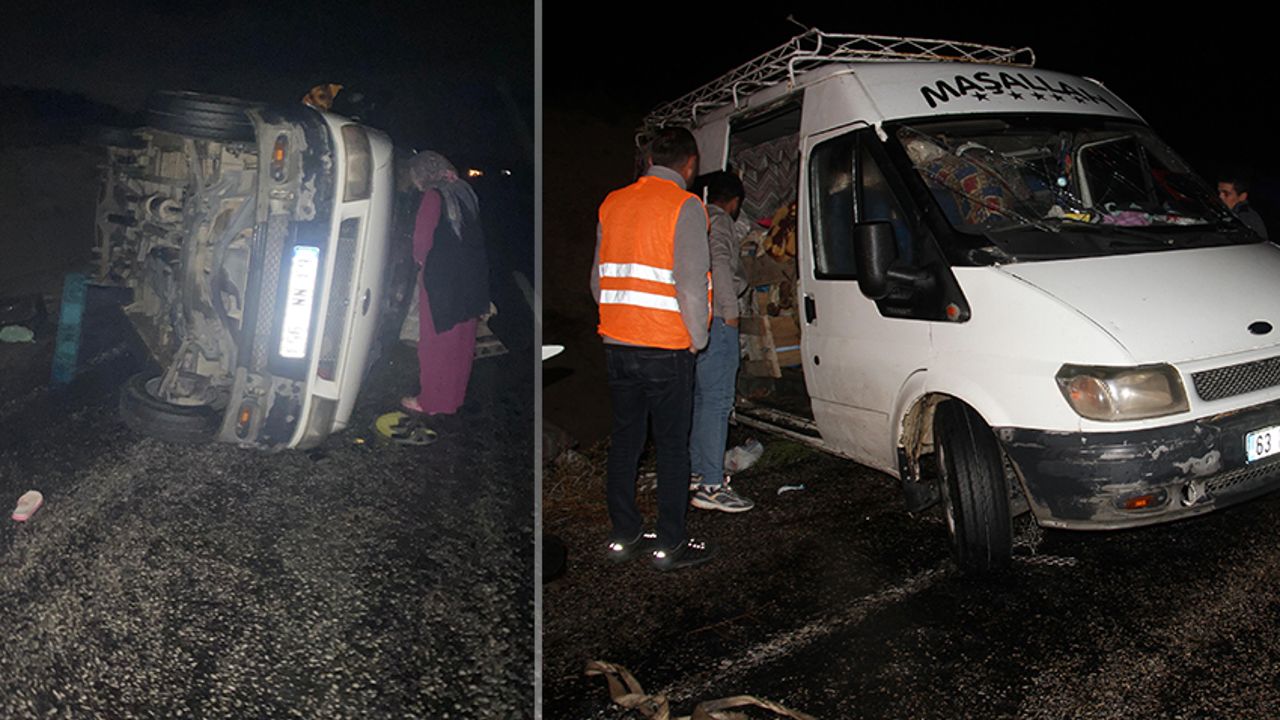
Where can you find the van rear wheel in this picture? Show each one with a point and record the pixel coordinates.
(975, 494)
(204, 116)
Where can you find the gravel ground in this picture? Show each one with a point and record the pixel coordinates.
(351, 581)
(833, 601)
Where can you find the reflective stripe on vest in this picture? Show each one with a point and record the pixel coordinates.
(639, 299)
(639, 271)
(637, 265)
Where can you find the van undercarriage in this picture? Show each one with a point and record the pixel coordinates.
(198, 215)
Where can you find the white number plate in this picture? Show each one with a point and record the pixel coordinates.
(297, 303)
(1262, 443)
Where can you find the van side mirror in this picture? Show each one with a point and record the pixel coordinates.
(874, 251)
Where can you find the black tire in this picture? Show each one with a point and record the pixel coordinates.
(211, 117)
(148, 415)
(975, 494)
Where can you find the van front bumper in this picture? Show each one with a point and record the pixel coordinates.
(1111, 480)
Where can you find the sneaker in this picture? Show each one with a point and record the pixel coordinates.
(692, 552)
(623, 550)
(720, 497)
(695, 482)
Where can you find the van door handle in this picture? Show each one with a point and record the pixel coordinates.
(810, 309)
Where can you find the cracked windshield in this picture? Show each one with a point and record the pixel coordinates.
(1051, 173)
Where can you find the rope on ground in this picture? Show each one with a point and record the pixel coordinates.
(627, 692)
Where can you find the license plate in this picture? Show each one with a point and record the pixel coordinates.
(1262, 443)
(297, 308)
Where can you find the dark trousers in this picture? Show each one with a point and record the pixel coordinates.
(649, 383)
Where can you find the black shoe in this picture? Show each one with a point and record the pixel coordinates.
(623, 550)
(555, 558)
(691, 552)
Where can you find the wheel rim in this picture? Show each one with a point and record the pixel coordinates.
(152, 388)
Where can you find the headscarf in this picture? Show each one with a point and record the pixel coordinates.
(431, 171)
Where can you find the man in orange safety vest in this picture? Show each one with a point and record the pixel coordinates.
(650, 281)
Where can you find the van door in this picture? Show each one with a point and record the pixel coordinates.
(857, 353)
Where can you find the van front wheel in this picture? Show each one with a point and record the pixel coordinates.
(975, 495)
(147, 414)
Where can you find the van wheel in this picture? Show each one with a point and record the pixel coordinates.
(975, 494)
(204, 116)
(147, 414)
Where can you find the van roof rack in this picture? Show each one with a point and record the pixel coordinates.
(816, 48)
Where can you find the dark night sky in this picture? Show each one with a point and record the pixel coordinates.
(460, 75)
(1203, 80)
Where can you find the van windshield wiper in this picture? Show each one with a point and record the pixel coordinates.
(1057, 224)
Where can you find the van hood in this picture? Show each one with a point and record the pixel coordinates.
(1171, 306)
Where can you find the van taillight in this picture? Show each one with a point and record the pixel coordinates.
(278, 155)
(243, 420)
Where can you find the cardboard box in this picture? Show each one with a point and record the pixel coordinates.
(787, 359)
(761, 368)
(785, 330)
(770, 343)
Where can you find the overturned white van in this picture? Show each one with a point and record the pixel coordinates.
(255, 241)
(1011, 294)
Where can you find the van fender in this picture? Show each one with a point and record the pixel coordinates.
(912, 420)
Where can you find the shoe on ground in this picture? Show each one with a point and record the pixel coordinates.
(691, 552)
(695, 482)
(623, 550)
(720, 497)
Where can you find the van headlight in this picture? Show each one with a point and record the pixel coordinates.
(1122, 393)
(359, 175)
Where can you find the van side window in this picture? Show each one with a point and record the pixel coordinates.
(852, 180)
(832, 199)
(879, 203)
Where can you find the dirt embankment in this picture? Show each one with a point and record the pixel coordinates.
(47, 199)
(49, 182)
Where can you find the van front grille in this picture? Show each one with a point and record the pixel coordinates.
(1247, 478)
(335, 322)
(1232, 380)
(277, 232)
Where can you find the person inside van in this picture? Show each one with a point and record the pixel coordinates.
(1234, 192)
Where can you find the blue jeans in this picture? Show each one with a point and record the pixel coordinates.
(714, 389)
(649, 384)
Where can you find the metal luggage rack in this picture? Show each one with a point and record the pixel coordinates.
(815, 48)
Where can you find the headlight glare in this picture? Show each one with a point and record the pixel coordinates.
(1122, 393)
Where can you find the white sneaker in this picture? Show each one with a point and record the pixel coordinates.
(720, 497)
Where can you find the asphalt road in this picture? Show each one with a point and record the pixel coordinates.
(351, 581)
(831, 600)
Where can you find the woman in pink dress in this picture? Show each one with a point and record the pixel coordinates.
(454, 289)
